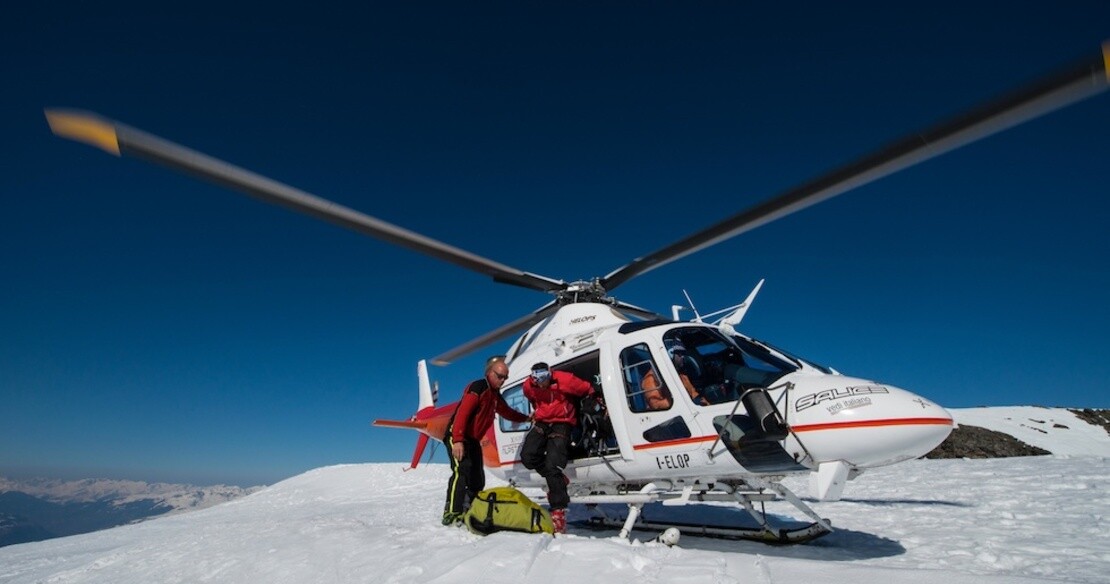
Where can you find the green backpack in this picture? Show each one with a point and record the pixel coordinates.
(506, 509)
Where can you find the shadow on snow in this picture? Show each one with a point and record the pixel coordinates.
(840, 545)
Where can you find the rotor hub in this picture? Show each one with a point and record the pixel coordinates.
(583, 291)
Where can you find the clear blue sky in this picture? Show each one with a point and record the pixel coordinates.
(156, 327)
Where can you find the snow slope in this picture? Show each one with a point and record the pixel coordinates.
(1057, 430)
(934, 521)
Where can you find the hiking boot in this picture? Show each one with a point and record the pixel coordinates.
(559, 520)
(450, 518)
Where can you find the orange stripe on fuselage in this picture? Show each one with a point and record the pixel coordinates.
(678, 442)
(873, 423)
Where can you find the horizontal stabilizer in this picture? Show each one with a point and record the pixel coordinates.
(412, 424)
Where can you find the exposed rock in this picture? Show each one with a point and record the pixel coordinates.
(1095, 417)
(975, 442)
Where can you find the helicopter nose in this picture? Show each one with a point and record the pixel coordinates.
(895, 425)
(918, 428)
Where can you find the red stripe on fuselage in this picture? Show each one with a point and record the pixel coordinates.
(873, 423)
(679, 442)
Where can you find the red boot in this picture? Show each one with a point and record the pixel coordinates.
(559, 520)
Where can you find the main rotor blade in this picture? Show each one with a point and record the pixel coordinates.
(120, 139)
(641, 312)
(1066, 87)
(497, 334)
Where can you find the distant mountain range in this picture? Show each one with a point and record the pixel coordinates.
(38, 509)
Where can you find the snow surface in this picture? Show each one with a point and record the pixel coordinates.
(1029, 519)
(1032, 519)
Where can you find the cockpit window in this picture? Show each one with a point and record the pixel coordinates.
(817, 366)
(719, 369)
(760, 358)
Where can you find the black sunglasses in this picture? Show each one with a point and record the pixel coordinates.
(500, 376)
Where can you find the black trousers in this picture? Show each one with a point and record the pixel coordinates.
(468, 476)
(545, 451)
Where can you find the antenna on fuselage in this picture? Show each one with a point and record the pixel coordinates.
(697, 317)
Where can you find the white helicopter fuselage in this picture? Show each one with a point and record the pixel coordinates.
(837, 425)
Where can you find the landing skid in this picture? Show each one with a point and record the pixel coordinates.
(781, 536)
(742, 494)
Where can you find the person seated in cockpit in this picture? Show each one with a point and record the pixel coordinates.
(677, 352)
(655, 393)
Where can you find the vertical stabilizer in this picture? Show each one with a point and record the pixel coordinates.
(427, 400)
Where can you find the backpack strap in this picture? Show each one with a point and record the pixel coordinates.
(486, 525)
(477, 387)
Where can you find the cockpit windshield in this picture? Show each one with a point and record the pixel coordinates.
(716, 369)
(826, 370)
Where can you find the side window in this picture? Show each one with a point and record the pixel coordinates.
(643, 385)
(673, 429)
(514, 396)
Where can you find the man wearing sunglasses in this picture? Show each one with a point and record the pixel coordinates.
(471, 421)
(545, 446)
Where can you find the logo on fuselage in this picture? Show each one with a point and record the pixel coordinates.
(808, 401)
(582, 319)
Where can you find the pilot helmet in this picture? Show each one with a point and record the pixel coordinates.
(674, 347)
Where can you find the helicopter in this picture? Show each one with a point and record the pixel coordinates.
(742, 414)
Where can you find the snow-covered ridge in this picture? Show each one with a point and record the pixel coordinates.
(1056, 430)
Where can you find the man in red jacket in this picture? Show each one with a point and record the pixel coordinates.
(545, 446)
(471, 421)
